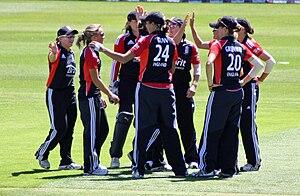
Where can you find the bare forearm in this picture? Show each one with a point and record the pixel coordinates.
(263, 76)
(114, 55)
(196, 38)
(178, 37)
(98, 82)
(246, 80)
(209, 73)
(102, 87)
(196, 80)
(198, 41)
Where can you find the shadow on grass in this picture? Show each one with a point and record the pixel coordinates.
(62, 176)
(194, 179)
(116, 175)
(34, 171)
(123, 167)
(148, 175)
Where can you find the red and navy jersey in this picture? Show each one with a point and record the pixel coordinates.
(230, 55)
(130, 69)
(256, 49)
(89, 59)
(62, 71)
(157, 52)
(211, 42)
(187, 55)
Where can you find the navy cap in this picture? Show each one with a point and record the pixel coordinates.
(214, 25)
(175, 20)
(66, 30)
(227, 21)
(131, 15)
(155, 17)
(244, 23)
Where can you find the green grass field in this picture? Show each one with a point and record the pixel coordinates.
(26, 28)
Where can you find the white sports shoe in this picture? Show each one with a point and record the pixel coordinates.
(72, 166)
(162, 168)
(100, 171)
(45, 164)
(193, 165)
(115, 162)
(136, 174)
(248, 167)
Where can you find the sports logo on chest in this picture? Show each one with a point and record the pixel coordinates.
(180, 64)
(70, 59)
(71, 68)
(186, 50)
(130, 43)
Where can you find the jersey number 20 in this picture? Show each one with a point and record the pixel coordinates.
(235, 62)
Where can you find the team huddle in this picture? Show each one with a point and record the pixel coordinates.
(154, 77)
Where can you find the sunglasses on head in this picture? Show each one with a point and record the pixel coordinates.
(220, 22)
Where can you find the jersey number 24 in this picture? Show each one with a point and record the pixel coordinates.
(162, 53)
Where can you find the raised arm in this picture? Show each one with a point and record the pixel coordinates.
(198, 41)
(178, 36)
(52, 53)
